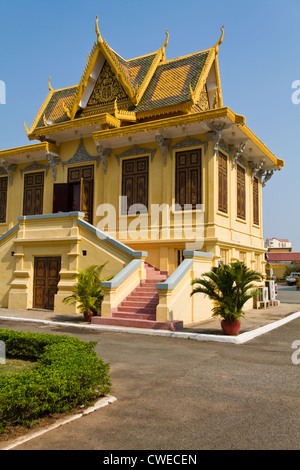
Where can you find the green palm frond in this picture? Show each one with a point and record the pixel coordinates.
(88, 291)
(230, 287)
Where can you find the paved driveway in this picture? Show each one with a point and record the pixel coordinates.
(288, 294)
(180, 394)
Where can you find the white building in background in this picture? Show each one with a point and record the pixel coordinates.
(272, 243)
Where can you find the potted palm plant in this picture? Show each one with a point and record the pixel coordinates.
(230, 286)
(87, 292)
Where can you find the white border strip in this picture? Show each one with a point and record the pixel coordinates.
(99, 404)
(242, 338)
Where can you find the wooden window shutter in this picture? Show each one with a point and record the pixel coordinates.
(188, 181)
(222, 174)
(241, 198)
(3, 199)
(81, 190)
(135, 175)
(255, 202)
(33, 193)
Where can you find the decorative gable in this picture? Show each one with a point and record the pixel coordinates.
(107, 89)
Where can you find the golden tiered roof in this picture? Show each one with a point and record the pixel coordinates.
(134, 89)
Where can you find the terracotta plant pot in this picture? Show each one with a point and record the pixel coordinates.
(87, 316)
(231, 327)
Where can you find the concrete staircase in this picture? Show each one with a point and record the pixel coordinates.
(138, 310)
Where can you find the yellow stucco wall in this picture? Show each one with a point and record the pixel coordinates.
(223, 234)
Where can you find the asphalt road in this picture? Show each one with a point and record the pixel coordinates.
(288, 294)
(180, 394)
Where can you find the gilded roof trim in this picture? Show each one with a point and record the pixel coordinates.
(104, 119)
(47, 147)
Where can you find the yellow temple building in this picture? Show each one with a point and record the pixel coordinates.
(142, 167)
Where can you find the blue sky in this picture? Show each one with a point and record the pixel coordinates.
(259, 61)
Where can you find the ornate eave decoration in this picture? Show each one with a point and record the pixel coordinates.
(124, 115)
(53, 161)
(104, 153)
(136, 151)
(8, 169)
(237, 153)
(163, 144)
(223, 146)
(256, 168)
(35, 167)
(215, 133)
(267, 175)
(81, 156)
(189, 142)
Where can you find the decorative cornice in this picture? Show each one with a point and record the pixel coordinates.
(81, 156)
(124, 115)
(8, 169)
(35, 167)
(136, 151)
(188, 142)
(98, 119)
(248, 133)
(46, 147)
(176, 121)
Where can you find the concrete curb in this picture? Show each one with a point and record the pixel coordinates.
(240, 339)
(99, 404)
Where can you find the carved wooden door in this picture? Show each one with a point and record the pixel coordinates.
(33, 193)
(81, 180)
(46, 278)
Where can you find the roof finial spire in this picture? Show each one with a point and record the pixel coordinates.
(167, 38)
(97, 31)
(49, 84)
(220, 40)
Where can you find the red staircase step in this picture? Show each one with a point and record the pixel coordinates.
(137, 323)
(136, 316)
(138, 310)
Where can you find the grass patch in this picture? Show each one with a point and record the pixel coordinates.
(14, 366)
(67, 374)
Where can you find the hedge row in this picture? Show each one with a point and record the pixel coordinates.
(68, 374)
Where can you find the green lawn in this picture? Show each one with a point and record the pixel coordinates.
(14, 366)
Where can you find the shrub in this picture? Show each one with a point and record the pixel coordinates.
(68, 374)
(230, 286)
